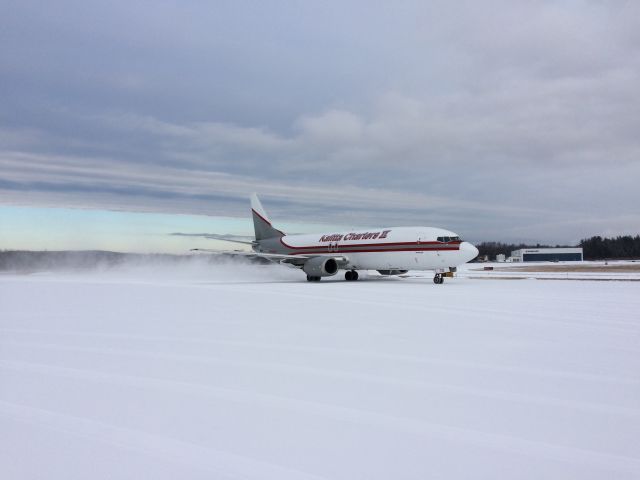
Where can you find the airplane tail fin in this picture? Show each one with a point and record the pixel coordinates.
(261, 223)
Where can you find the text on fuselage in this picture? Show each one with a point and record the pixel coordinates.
(336, 237)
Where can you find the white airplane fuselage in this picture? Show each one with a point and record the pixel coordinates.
(389, 248)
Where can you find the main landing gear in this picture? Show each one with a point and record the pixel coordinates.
(438, 279)
(311, 278)
(351, 276)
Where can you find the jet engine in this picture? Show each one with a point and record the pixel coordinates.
(320, 267)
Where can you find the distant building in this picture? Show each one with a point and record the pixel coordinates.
(500, 257)
(547, 255)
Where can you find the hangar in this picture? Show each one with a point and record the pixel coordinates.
(547, 255)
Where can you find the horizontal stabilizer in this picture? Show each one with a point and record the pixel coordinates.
(216, 236)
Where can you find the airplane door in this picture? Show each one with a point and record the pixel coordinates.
(418, 255)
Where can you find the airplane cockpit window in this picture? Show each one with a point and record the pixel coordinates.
(448, 239)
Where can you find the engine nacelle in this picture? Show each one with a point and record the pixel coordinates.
(320, 267)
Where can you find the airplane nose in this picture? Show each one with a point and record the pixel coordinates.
(469, 250)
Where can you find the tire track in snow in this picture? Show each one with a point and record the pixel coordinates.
(496, 314)
(339, 351)
(590, 407)
(504, 443)
(223, 464)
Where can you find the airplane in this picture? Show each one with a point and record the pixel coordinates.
(389, 250)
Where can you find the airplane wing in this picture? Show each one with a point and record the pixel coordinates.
(275, 257)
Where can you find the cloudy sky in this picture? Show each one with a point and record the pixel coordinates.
(500, 120)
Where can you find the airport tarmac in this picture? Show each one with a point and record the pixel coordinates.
(589, 270)
(252, 372)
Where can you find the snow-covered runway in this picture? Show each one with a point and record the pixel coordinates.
(255, 373)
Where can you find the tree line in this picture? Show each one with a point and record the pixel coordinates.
(621, 247)
(68, 260)
(594, 248)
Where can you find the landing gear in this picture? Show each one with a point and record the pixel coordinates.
(438, 279)
(311, 278)
(351, 276)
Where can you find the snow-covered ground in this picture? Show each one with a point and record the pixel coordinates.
(253, 373)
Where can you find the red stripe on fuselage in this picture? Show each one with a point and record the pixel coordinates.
(371, 248)
(333, 252)
(417, 245)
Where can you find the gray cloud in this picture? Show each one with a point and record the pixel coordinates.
(499, 120)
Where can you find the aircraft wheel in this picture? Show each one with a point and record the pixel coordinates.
(311, 278)
(438, 279)
(354, 275)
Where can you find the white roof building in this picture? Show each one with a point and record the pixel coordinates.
(547, 255)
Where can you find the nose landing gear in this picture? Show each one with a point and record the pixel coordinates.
(351, 276)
